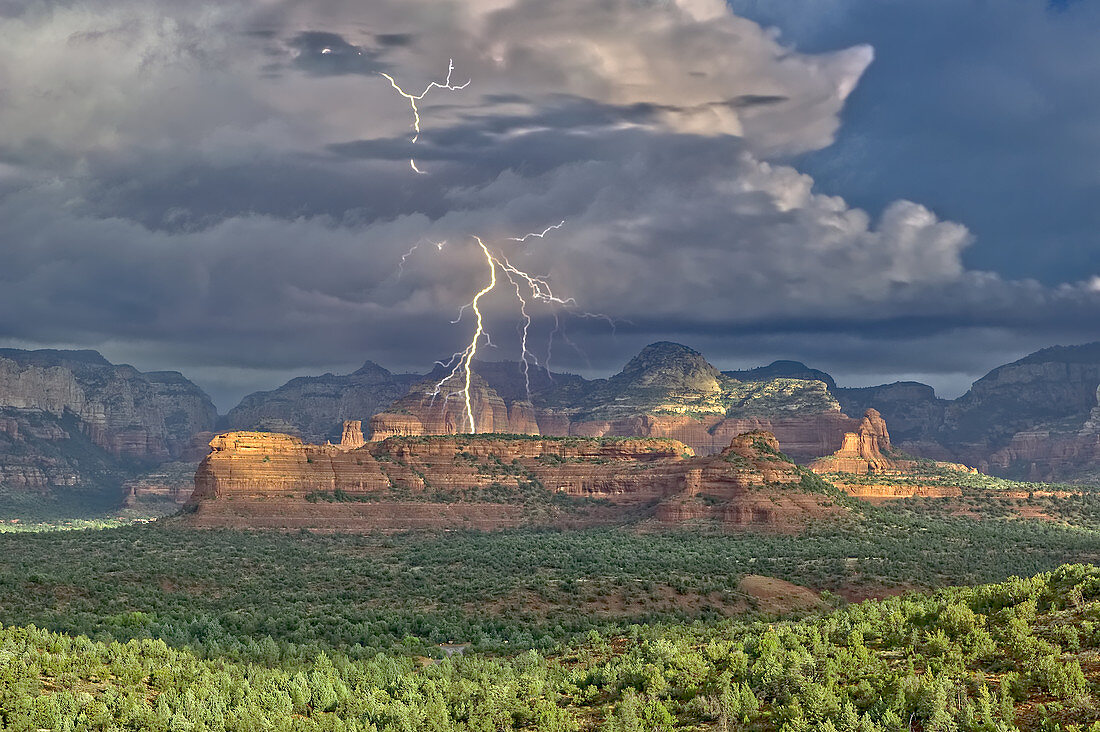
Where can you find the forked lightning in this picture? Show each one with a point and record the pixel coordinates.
(414, 98)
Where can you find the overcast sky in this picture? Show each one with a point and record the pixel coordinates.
(881, 189)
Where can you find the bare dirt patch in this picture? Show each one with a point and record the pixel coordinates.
(778, 596)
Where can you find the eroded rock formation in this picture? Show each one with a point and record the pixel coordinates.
(352, 437)
(314, 407)
(868, 452)
(524, 479)
(147, 416)
(73, 427)
(1053, 453)
(863, 451)
(666, 391)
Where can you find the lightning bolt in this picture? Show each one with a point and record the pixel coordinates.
(463, 359)
(404, 257)
(414, 98)
(460, 364)
(524, 352)
(539, 235)
(526, 285)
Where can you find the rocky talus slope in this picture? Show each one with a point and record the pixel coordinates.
(72, 423)
(484, 481)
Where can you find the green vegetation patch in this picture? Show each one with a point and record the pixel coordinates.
(1018, 655)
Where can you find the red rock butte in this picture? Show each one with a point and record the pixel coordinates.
(269, 480)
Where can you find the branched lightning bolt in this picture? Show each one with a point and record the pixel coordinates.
(414, 98)
(538, 235)
(525, 354)
(461, 363)
(404, 257)
(463, 359)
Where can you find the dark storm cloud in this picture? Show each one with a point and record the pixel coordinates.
(213, 192)
(327, 54)
(755, 100)
(395, 39)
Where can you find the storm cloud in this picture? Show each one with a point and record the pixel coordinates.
(227, 190)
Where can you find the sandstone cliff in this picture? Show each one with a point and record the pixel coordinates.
(1022, 420)
(1028, 419)
(1058, 452)
(273, 480)
(913, 410)
(73, 427)
(867, 466)
(863, 451)
(147, 416)
(428, 410)
(1052, 385)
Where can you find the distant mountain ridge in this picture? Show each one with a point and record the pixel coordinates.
(315, 407)
(1032, 418)
(669, 389)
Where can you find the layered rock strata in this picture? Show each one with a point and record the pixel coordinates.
(868, 452)
(667, 391)
(1053, 454)
(314, 407)
(147, 416)
(73, 427)
(523, 479)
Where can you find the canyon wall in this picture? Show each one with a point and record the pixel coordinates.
(74, 427)
(147, 416)
(667, 391)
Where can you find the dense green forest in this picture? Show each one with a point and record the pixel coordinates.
(1022, 654)
(159, 626)
(224, 592)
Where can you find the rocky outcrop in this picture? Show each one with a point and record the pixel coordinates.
(440, 408)
(1092, 424)
(863, 451)
(1034, 418)
(74, 427)
(531, 479)
(352, 437)
(1030, 419)
(666, 391)
(784, 370)
(914, 411)
(315, 407)
(1053, 454)
(144, 416)
(669, 390)
(161, 490)
(868, 452)
(1054, 384)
